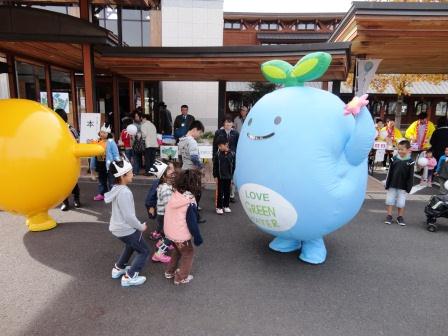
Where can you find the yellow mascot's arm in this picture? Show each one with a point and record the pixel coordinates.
(88, 150)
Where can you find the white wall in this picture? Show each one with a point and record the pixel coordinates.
(187, 23)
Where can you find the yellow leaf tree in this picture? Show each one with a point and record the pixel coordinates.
(401, 84)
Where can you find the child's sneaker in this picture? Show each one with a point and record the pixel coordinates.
(227, 210)
(169, 275)
(155, 235)
(160, 257)
(400, 221)
(184, 281)
(98, 197)
(388, 220)
(118, 272)
(136, 280)
(219, 211)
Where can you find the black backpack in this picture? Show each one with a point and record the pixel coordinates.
(139, 144)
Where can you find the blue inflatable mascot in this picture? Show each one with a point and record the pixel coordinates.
(302, 159)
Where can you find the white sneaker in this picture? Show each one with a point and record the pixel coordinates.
(136, 280)
(184, 281)
(118, 272)
(219, 211)
(227, 210)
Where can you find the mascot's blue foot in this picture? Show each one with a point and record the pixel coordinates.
(313, 251)
(284, 245)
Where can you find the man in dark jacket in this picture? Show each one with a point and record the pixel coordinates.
(227, 132)
(399, 182)
(439, 139)
(223, 169)
(182, 122)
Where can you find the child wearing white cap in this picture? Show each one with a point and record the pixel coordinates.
(126, 227)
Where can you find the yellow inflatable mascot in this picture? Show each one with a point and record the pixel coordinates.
(39, 161)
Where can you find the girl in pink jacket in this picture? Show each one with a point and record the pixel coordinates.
(181, 225)
(428, 171)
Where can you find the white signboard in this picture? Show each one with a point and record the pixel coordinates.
(379, 155)
(169, 152)
(379, 145)
(205, 152)
(89, 126)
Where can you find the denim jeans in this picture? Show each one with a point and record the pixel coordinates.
(134, 243)
(137, 162)
(129, 154)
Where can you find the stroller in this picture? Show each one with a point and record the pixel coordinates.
(436, 208)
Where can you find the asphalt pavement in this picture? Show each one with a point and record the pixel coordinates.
(378, 279)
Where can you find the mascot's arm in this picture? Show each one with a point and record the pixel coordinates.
(361, 140)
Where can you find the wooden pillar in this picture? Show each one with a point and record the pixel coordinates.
(325, 86)
(142, 96)
(116, 106)
(221, 101)
(84, 10)
(12, 76)
(48, 86)
(120, 24)
(336, 88)
(131, 96)
(74, 100)
(89, 77)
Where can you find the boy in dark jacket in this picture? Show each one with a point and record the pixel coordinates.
(399, 181)
(223, 168)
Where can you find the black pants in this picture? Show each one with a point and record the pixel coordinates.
(150, 157)
(223, 193)
(75, 193)
(102, 177)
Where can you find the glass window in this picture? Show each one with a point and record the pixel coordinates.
(31, 82)
(420, 107)
(441, 108)
(236, 25)
(131, 14)
(264, 26)
(132, 33)
(146, 34)
(301, 26)
(61, 90)
(227, 25)
(310, 26)
(111, 13)
(57, 9)
(112, 25)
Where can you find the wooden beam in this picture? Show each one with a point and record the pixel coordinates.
(131, 96)
(142, 96)
(84, 10)
(89, 78)
(74, 100)
(12, 76)
(48, 86)
(116, 106)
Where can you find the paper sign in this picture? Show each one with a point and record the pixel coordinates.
(89, 127)
(169, 152)
(379, 155)
(205, 152)
(379, 145)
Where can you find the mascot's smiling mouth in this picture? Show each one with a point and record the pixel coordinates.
(260, 137)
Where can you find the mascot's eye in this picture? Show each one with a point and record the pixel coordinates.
(277, 120)
(249, 122)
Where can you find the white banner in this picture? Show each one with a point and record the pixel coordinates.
(205, 152)
(365, 71)
(169, 152)
(89, 127)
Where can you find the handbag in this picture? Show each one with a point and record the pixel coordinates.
(139, 144)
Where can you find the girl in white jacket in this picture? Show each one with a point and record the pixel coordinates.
(126, 227)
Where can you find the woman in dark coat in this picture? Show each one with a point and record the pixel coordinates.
(439, 139)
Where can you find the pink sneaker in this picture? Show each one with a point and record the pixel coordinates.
(160, 257)
(155, 235)
(98, 197)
